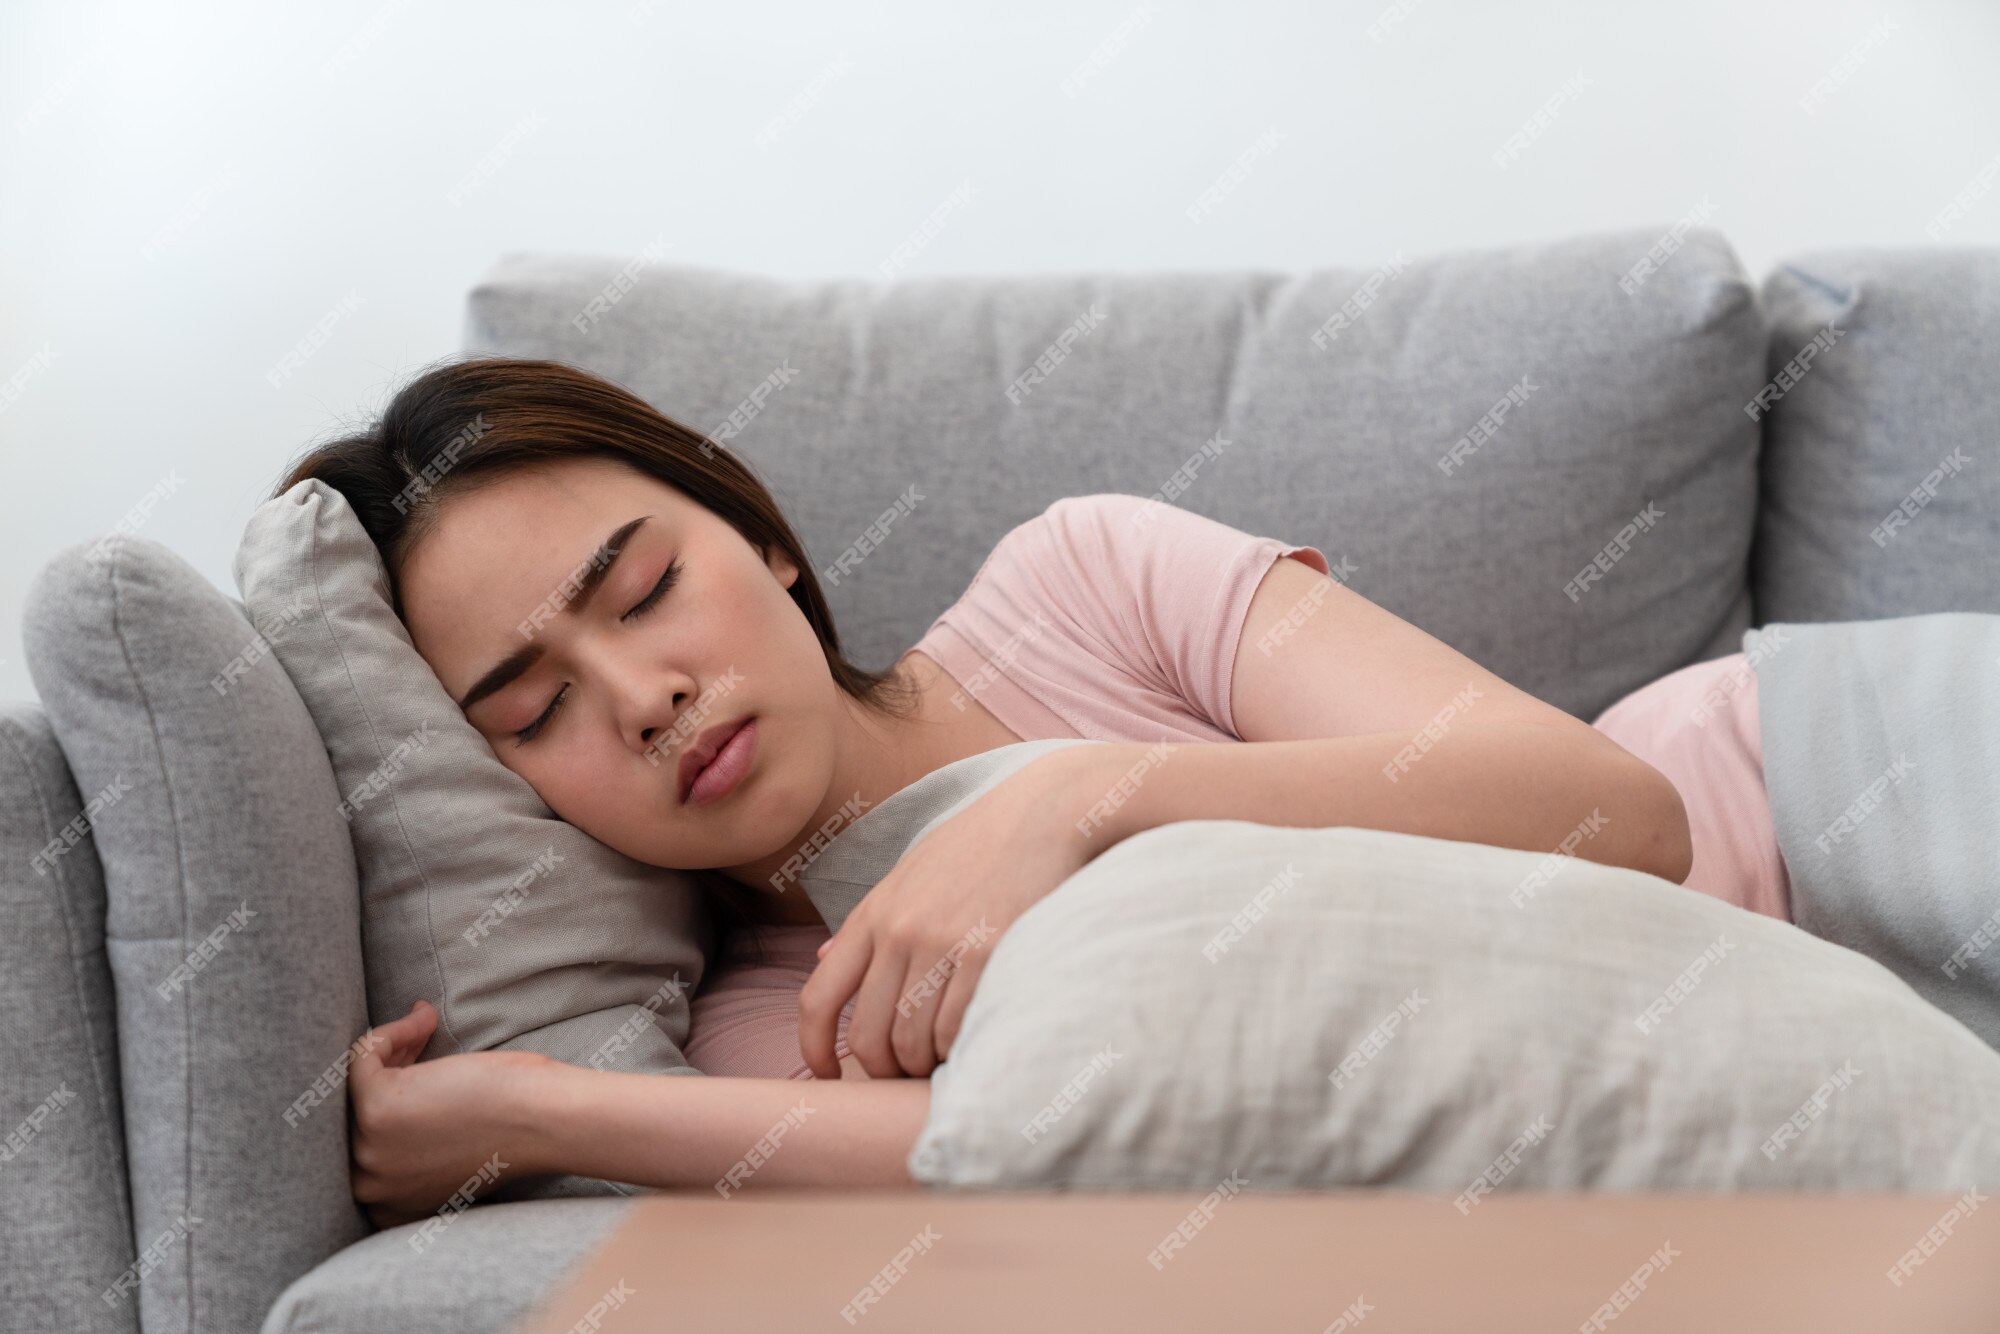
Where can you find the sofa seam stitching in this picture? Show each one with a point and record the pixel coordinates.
(180, 866)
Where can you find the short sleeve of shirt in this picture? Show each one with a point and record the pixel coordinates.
(1119, 614)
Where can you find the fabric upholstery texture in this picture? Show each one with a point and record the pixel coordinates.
(1880, 494)
(68, 1232)
(1474, 431)
(1882, 753)
(484, 1271)
(230, 925)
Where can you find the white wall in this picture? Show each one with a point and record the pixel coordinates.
(186, 190)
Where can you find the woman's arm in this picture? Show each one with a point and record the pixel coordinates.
(425, 1131)
(1511, 783)
(671, 1131)
(1357, 717)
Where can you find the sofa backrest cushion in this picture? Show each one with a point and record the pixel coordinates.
(1881, 410)
(1538, 454)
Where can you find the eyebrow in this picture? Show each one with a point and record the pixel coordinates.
(596, 568)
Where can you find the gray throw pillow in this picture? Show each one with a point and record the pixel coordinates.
(525, 932)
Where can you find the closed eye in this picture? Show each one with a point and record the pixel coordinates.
(640, 608)
(648, 602)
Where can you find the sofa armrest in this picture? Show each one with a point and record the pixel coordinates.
(65, 1222)
(231, 929)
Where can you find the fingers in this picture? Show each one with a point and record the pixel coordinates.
(821, 1000)
(396, 1043)
(413, 1032)
(915, 1034)
(871, 1033)
(365, 1054)
(957, 994)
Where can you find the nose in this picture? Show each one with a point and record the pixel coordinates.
(647, 697)
(659, 733)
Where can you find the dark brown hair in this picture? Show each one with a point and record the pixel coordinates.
(464, 423)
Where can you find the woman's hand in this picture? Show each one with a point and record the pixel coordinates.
(421, 1132)
(914, 947)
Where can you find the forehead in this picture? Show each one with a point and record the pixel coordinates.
(498, 551)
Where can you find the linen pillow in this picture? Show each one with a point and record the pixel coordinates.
(864, 851)
(1312, 949)
(524, 931)
(1218, 1000)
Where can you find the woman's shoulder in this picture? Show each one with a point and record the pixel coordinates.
(1112, 513)
(1122, 521)
(1103, 600)
(1112, 540)
(1068, 567)
(1108, 546)
(1100, 523)
(1055, 530)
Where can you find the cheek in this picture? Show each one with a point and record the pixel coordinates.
(571, 786)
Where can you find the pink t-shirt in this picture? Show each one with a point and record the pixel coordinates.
(1699, 727)
(1105, 616)
(1109, 616)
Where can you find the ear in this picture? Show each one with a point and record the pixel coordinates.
(780, 565)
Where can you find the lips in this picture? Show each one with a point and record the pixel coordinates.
(702, 749)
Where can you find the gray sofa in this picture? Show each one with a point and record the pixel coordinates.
(1586, 464)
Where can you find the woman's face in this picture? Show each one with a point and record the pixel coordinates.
(503, 571)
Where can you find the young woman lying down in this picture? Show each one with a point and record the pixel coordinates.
(1107, 616)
